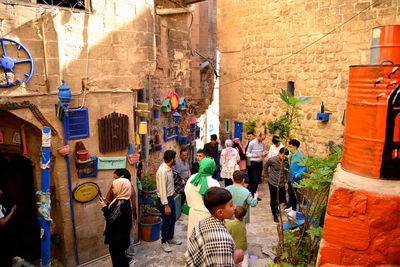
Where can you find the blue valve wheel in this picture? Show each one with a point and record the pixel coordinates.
(7, 63)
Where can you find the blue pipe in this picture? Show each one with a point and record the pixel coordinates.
(44, 224)
(71, 200)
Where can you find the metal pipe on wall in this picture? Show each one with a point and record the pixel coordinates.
(71, 200)
(45, 223)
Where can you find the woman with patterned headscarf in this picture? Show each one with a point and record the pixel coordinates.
(229, 162)
(118, 215)
(195, 188)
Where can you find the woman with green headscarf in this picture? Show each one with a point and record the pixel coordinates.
(195, 188)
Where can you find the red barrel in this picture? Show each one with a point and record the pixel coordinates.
(385, 44)
(366, 117)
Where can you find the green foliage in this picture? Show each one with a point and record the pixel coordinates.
(333, 147)
(299, 247)
(250, 125)
(148, 182)
(278, 126)
(290, 100)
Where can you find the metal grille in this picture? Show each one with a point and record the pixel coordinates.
(79, 4)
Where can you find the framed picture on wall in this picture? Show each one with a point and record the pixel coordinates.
(16, 138)
(170, 132)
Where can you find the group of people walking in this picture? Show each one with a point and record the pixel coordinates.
(216, 234)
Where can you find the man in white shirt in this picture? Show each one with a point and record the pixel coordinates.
(165, 200)
(255, 152)
(275, 147)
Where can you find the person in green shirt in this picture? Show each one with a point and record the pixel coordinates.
(241, 195)
(237, 229)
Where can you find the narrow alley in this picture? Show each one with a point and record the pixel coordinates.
(261, 236)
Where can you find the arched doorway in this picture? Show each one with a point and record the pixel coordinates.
(18, 181)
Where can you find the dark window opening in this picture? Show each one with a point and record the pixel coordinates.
(79, 4)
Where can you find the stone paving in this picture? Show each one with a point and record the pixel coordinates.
(261, 236)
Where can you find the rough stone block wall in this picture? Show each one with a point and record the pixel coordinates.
(108, 52)
(177, 69)
(261, 45)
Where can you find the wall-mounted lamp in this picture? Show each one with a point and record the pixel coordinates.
(176, 116)
(322, 116)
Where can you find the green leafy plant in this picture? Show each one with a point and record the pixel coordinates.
(250, 125)
(299, 247)
(277, 126)
(148, 182)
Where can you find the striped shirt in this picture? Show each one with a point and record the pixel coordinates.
(278, 171)
(210, 245)
(254, 149)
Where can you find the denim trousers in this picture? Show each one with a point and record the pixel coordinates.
(168, 221)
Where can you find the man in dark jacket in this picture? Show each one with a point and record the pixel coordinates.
(211, 150)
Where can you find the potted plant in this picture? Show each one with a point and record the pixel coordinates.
(150, 228)
(148, 188)
(151, 208)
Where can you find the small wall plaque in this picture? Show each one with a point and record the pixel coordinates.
(85, 192)
(111, 163)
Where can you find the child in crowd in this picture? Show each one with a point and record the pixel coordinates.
(210, 244)
(237, 229)
(241, 195)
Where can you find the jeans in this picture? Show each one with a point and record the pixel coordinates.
(273, 193)
(168, 221)
(254, 176)
(292, 196)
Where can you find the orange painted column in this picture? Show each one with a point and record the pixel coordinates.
(362, 222)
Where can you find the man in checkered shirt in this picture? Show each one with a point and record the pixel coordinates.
(210, 244)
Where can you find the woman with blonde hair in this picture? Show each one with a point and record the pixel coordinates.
(118, 215)
(229, 162)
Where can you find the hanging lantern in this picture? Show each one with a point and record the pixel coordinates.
(137, 139)
(143, 127)
(176, 116)
(157, 142)
(64, 94)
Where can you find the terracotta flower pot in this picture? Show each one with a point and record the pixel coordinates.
(64, 150)
(150, 228)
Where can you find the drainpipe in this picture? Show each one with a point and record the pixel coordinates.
(45, 224)
(71, 201)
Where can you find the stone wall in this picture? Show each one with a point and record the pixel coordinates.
(262, 46)
(104, 55)
(177, 69)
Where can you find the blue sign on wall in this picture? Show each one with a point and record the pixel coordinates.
(238, 130)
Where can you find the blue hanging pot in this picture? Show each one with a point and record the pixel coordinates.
(64, 94)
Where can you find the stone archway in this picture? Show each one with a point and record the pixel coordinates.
(20, 146)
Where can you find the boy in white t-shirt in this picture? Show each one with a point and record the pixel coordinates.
(275, 147)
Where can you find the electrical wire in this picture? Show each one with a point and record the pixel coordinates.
(300, 50)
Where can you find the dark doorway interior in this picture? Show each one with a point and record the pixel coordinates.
(20, 236)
